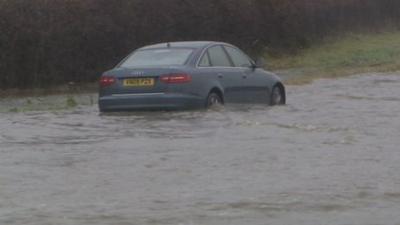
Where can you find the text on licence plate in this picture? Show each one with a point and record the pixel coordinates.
(139, 82)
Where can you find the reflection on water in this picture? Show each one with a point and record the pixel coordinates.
(329, 157)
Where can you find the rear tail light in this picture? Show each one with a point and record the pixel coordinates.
(106, 81)
(176, 78)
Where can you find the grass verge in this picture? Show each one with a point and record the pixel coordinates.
(51, 103)
(338, 57)
(71, 89)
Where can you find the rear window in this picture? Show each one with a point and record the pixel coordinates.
(157, 57)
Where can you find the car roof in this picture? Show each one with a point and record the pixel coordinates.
(182, 44)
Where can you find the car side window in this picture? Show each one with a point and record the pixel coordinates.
(218, 57)
(205, 60)
(238, 57)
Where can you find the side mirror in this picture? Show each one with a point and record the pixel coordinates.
(260, 63)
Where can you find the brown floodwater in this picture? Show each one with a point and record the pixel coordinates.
(331, 156)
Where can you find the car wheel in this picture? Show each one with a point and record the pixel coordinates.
(213, 100)
(277, 96)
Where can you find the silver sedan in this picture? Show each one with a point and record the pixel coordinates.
(183, 75)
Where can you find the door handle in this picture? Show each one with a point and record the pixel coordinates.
(244, 76)
(220, 75)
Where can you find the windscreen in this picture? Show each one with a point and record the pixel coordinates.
(157, 57)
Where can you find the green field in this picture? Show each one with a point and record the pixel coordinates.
(337, 57)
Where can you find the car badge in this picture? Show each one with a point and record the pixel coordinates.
(137, 73)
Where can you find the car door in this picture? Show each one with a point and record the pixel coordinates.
(254, 87)
(215, 61)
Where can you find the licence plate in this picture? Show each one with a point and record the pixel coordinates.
(139, 82)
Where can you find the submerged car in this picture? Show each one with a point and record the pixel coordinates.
(183, 75)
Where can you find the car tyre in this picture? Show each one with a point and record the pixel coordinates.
(214, 100)
(277, 96)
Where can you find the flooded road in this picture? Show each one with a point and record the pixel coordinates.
(331, 156)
